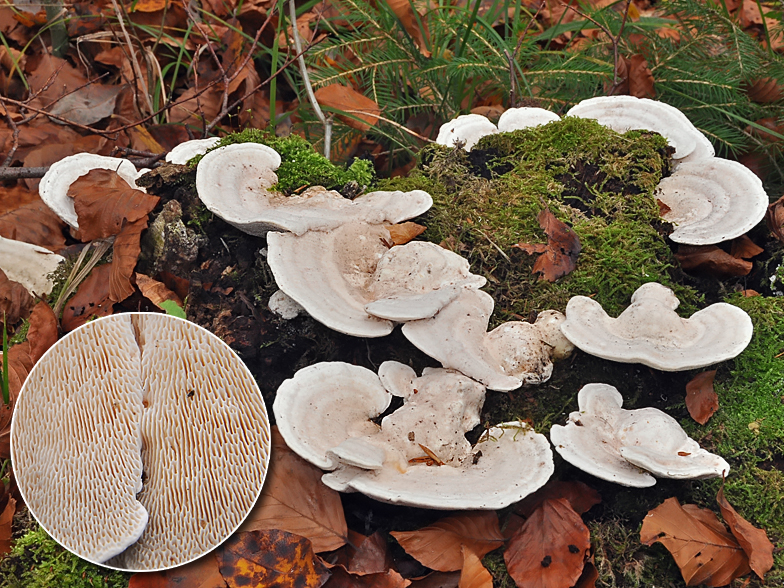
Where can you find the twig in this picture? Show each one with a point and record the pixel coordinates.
(306, 79)
(14, 136)
(136, 67)
(20, 173)
(391, 122)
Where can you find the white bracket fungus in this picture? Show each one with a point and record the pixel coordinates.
(131, 393)
(53, 188)
(235, 182)
(524, 117)
(624, 113)
(712, 201)
(28, 264)
(186, 151)
(503, 359)
(284, 305)
(324, 415)
(616, 445)
(650, 332)
(465, 130)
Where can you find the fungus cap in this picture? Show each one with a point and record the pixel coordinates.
(54, 186)
(712, 201)
(284, 305)
(650, 332)
(624, 113)
(601, 436)
(524, 117)
(186, 151)
(465, 130)
(28, 264)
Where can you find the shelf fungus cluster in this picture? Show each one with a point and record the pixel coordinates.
(140, 441)
(418, 455)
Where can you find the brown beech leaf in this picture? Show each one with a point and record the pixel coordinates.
(91, 299)
(294, 499)
(754, 541)
(744, 248)
(271, 558)
(764, 91)
(437, 580)
(559, 256)
(125, 254)
(550, 548)
(33, 222)
(15, 301)
(6, 520)
(774, 218)
(202, 573)
(701, 399)
(769, 123)
(663, 208)
(474, 574)
(439, 546)
(404, 10)
(16, 196)
(581, 497)
(155, 291)
(367, 555)
(388, 579)
(404, 232)
(711, 260)
(640, 78)
(704, 551)
(361, 112)
(105, 203)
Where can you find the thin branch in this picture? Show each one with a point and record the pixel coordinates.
(21, 173)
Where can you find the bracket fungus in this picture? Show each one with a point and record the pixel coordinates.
(624, 113)
(28, 264)
(524, 117)
(513, 353)
(53, 188)
(650, 332)
(622, 446)
(465, 130)
(712, 201)
(419, 455)
(235, 182)
(135, 392)
(186, 151)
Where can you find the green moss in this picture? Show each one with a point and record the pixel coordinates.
(301, 166)
(598, 181)
(37, 561)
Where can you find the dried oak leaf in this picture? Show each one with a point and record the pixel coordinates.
(474, 574)
(754, 541)
(703, 549)
(295, 500)
(439, 546)
(701, 399)
(550, 548)
(105, 203)
(559, 256)
(15, 301)
(404, 232)
(361, 112)
(271, 558)
(125, 254)
(710, 259)
(33, 222)
(91, 299)
(202, 573)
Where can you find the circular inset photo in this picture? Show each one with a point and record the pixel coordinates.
(140, 441)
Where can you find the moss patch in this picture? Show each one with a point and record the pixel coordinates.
(37, 561)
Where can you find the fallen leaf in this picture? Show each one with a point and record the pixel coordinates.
(764, 91)
(640, 78)
(404, 232)
(744, 248)
(588, 577)
(416, 27)
(439, 546)
(770, 123)
(559, 256)
(704, 551)
(711, 260)
(663, 208)
(361, 112)
(125, 255)
(754, 541)
(474, 574)
(550, 548)
(15, 301)
(105, 203)
(437, 580)
(6, 521)
(34, 223)
(749, 293)
(91, 299)
(390, 579)
(774, 218)
(155, 291)
(295, 500)
(581, 497)
(701, 399)
(202, 573)
(366, 555)
(271, 558)
(87, 105)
